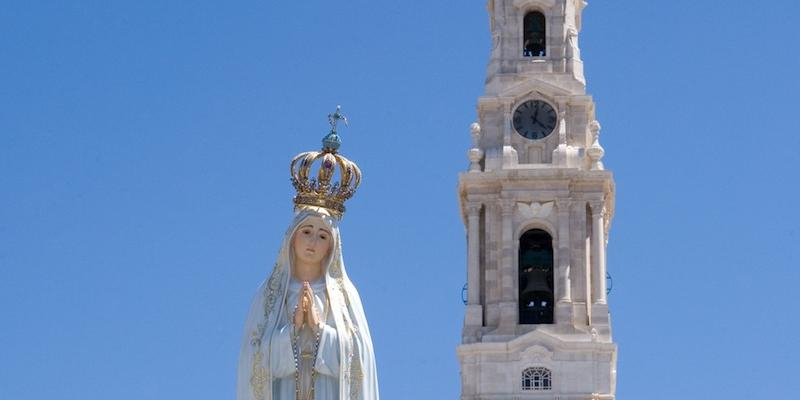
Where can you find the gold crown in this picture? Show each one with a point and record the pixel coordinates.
(319, 191)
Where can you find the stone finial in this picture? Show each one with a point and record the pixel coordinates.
(475, 154)
(475, 131)
(595, 127)
(595, 151)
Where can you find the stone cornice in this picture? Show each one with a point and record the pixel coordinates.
(537, 174)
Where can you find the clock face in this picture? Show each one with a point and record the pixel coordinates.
(535, 119)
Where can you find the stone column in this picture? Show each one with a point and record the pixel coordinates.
(564, 256)
(491, 272)
(581, 279)
(473, 251)
(507, 259)
(509, 309)
(507, 127)
(598, 252)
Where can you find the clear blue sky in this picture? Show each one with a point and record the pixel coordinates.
(144, 151)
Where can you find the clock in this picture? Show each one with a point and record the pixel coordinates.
(535, 119)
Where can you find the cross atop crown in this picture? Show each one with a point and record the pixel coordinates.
(331, 142)
(337, 116)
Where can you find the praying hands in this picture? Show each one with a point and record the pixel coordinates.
(305, 311)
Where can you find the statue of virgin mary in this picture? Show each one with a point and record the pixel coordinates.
(306, 335)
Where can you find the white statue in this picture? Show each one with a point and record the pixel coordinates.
(306, 335)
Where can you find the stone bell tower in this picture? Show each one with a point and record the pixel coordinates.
(537, 203)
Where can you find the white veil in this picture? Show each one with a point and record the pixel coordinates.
(358, 377)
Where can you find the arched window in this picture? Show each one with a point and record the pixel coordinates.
(536, 278)
(534, 37)
(537, 378)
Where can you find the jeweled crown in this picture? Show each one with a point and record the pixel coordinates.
(320, 191)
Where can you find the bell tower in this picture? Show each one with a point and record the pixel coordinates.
(537, 203)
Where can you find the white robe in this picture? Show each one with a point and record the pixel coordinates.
(326, 365)
(345, 362)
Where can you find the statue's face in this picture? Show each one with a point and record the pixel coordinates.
(312, 242)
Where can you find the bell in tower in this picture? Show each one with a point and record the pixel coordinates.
(536, 278)
(534, 39)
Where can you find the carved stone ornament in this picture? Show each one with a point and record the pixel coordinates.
(507, 206)
(475, 132)
(522, 4)
(598, 207)
(595, 151)
(534, 210)
(475, 154)
(563, 205)
(537, 354)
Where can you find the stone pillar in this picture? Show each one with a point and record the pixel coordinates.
(492, 274)
(473, 251)
(510, 156)
(491, 277)
(598, 253)
(580, 255)
(564, 256)
(579, 268)
(509, 309)
(507, 127)
(507, 259)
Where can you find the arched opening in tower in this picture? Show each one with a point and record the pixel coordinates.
(534, 35)
(536, 278)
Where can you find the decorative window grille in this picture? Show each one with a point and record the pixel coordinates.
(537, 378)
